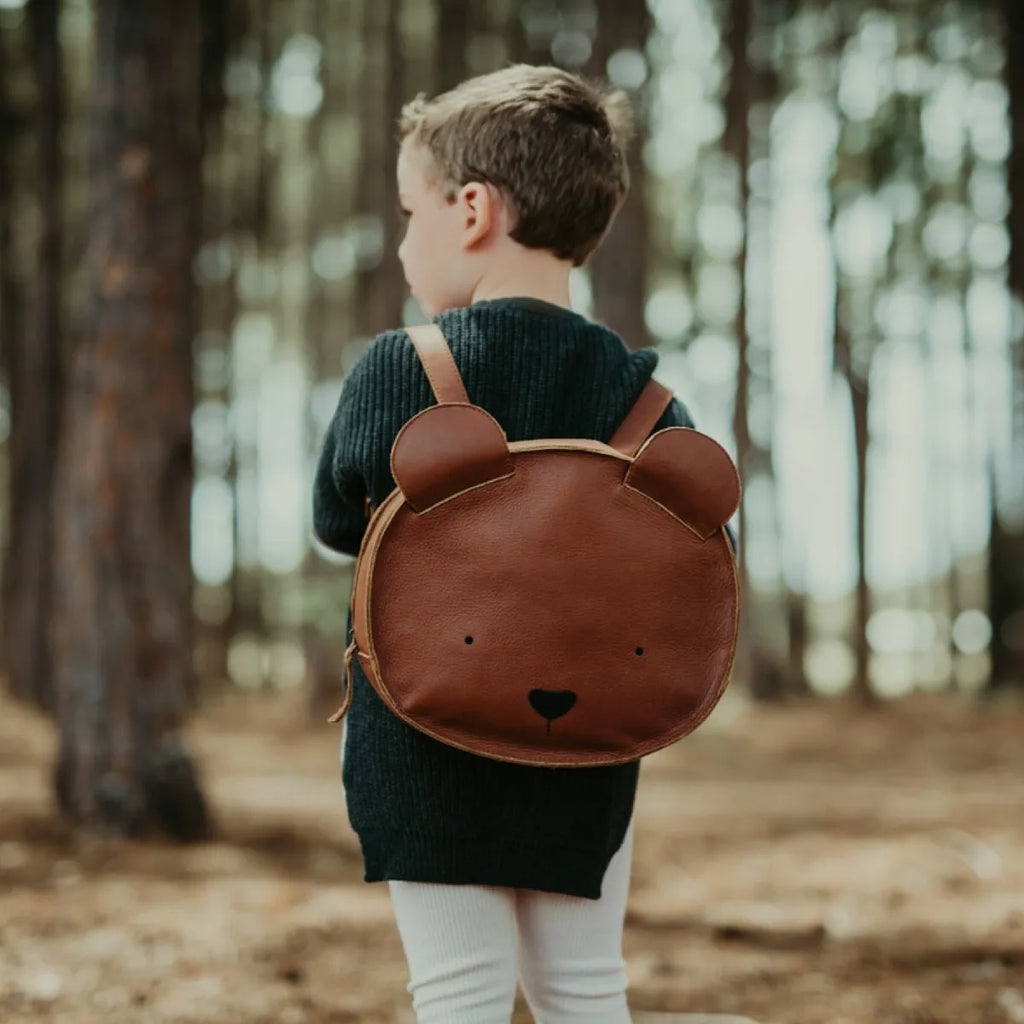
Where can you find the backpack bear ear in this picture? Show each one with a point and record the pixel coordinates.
(446, 449)
(690, 475)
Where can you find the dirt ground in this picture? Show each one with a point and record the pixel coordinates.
(810, 865)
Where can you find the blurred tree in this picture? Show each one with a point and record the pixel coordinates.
(13, 121)
(330, 326)
(380, 286)
(34, 376)
(11, 126)
(857, 169)
(1006, 545)
(618, 270)
(752, 661)
(533, 46)
(773, 672)
(323, 653)
(950, 280)
(855, 372)
(254, 185)
(122, 609)
(451, 38)
(225, 24)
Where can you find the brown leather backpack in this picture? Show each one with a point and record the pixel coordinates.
(558, 602)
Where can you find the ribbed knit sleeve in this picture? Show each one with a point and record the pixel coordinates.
(339, 485)
(676, 415)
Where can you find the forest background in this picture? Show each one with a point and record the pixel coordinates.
(824, 240)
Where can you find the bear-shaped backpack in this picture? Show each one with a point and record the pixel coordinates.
(557, 602)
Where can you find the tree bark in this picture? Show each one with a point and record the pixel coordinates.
(860, 402)
(861, 691)
(870, 169)
(380, 289)
(247, 597)
(1014, 15)
(35, 373)
(123, 632)
(765, 681)
(450, 42)
(11, 126)
(618, 269)
(224, 24)
(1006, 539)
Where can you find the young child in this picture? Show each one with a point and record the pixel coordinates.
(508, 181)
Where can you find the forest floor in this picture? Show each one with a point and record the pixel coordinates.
(816, 864)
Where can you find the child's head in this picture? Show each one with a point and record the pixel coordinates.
(523, 166)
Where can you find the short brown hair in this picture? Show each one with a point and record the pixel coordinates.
(552, 143)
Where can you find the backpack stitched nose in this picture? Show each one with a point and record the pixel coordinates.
(552, 704)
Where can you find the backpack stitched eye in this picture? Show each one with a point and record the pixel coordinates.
(469, 639)
(639, 650)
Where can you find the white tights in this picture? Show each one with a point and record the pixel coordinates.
(462, 943)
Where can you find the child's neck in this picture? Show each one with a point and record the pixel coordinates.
(546, 279)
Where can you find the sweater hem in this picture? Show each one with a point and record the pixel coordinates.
(455, 860)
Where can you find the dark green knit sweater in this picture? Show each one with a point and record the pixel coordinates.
(425, 811)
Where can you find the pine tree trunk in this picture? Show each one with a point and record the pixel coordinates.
(765, 681)
(34, 379)
(123, 639)
(380, 288)
(247, 598)
(10, 330)
(1014, 15)
(11, 317)
(224, 26)
(618, 269)
(450, 41)
(861, 691)
(1006, 541)
(863, 168)
(860, 402)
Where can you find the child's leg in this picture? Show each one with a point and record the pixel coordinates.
(570, 949)
(460, 942)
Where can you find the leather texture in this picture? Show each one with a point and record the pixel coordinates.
(438, 363)
(600, 573)
(446, 449)
(683, 471)
(641, 419)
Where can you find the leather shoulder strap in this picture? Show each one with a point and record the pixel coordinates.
(446, 382)
(438, 362)
(642, 418)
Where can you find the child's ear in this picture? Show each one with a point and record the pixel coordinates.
(478, 206)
